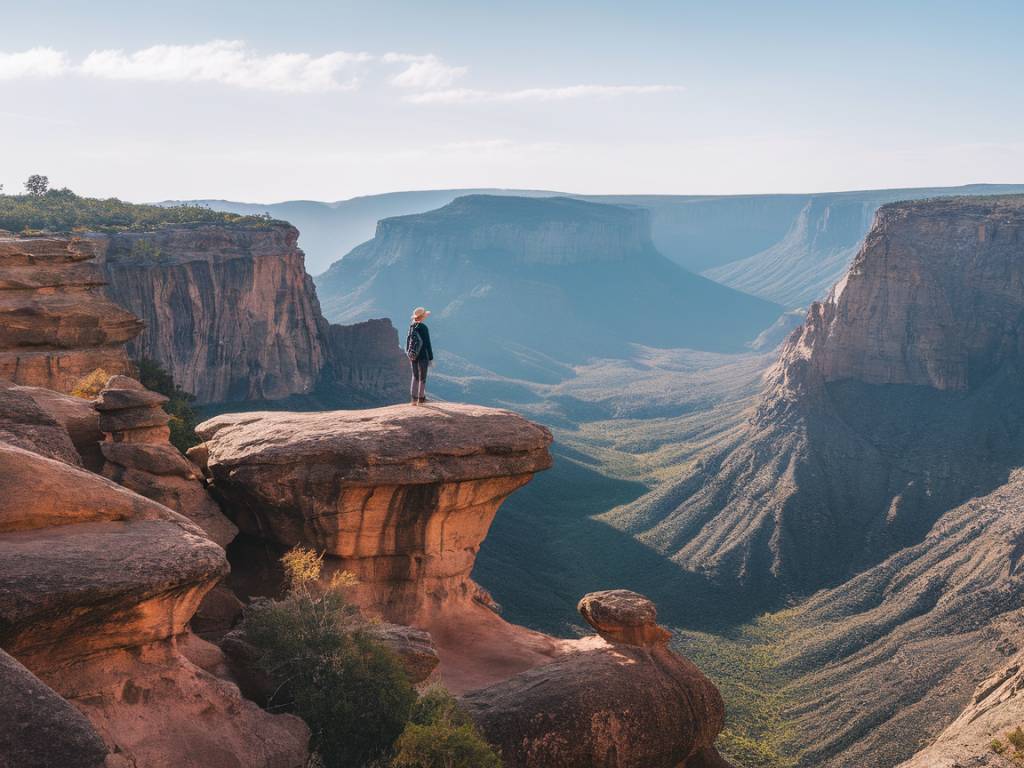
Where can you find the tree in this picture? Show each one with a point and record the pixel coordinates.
(37, 184)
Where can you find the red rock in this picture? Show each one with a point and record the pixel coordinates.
(55, 324)
(622, 705)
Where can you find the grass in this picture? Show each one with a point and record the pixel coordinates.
(745, 667)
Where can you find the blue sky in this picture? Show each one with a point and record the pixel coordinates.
(326, 100)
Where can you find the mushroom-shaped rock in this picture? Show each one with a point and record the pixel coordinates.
(97, 584)
(622, 616)
(621, 705)
(400, 496)
(138, 455)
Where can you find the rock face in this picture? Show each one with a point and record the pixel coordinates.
(624, 702)
(400, 496)
(25, 424)
(39, 729)
(898, 399)
(139, 456)
(56, 326)
(231, 313)
(537, 264)
(97, 585)
(885, 661)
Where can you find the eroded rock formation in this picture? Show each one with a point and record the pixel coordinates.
(623, 701)
(400, 496)
(231, 313)
(98, 585)
(139, 456)
(56, 326)
(897, 399)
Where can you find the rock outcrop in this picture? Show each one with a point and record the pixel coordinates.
(401, 497)
(25, 424)
(139, 456)
(231, 313)
(97, 586)
(897, 399)
(626, 701)
(56, 326)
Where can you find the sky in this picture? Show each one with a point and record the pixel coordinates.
(269, 101)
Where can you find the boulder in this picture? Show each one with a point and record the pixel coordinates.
(39, 729)
(629, 703)
(79, 419)
(25, 424)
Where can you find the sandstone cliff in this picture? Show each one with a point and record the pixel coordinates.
(402, 497)
(56, 326)
(97, 586)
(231, 313)
(898, 399)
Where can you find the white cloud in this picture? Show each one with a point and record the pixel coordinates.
(473, 96)
(229, 62)
(35, 62)
(427, 71)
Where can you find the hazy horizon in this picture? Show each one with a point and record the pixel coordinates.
(329, 101)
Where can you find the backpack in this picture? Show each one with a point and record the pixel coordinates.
(413, 343)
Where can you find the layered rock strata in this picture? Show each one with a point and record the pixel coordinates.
(56, 325)
(897, 399)
(231, 313)
(98, 586)
(139, 456)
(622, 701)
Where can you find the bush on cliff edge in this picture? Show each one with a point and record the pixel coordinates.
(352, 692)
(441, 735)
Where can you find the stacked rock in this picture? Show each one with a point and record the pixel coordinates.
(138, 455)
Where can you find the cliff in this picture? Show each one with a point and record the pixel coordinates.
(402, 498)
(527, 286)
(895, 401)
(56, 326)
(97, 586)
(231, 313)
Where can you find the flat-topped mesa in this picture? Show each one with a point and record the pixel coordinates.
(400, 496)
(935, 297)
(138, 455)
(56, 326)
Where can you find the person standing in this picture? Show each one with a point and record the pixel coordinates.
(420, 354)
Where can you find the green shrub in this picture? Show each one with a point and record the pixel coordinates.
(1016, 738)
(61, 210)
(997, 746)
(352, 693)
(441, 735)
(179, 405)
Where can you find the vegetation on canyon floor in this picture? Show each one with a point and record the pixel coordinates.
(350, 690)
(745, 666)
(61, 210)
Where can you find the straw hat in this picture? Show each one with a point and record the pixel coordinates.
(419, 314)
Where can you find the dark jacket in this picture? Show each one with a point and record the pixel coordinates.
(426, 352)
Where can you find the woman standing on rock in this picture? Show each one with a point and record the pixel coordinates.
(420, 354)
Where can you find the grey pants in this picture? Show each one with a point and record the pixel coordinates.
(418, 387)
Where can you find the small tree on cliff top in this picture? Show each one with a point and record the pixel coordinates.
(352, 692)
(37, 184)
